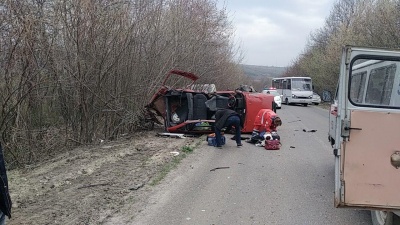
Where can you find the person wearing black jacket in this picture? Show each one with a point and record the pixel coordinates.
(227, 118)
(5, 200)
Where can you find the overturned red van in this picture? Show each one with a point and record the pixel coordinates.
(184, 110)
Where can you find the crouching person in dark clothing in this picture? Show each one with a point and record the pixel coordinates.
(227, 118)
(5, 200)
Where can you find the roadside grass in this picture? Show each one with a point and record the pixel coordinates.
(167, 168)
(185, 150)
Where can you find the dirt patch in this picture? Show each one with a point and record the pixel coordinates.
(90, 184)
(325, 105)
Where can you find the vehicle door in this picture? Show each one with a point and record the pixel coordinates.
(158, 101)
(333, 114)
(367, 154)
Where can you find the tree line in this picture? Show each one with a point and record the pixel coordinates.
(373, 23)
(77, 71)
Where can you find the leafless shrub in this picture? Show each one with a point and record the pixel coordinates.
(363, 23)
(77, 71)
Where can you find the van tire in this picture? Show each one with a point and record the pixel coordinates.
(382, 217)
(286, 101)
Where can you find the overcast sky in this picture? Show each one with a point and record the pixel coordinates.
(274, 32)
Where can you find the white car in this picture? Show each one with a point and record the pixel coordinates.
(277, 97)
(316, 99)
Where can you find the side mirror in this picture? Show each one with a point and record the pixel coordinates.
(326, 96)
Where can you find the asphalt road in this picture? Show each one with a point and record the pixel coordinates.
(292, 186)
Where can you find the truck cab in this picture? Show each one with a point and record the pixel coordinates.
(364, 131)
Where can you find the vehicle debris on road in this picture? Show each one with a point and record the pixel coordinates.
(218, 168)
(309, 130)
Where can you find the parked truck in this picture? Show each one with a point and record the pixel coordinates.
(364, 131)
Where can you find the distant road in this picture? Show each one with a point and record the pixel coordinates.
(292, 186)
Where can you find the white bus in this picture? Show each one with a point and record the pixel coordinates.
(294, 90)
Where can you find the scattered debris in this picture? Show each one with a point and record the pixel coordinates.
(170, 135)
(136, 187)
(217, 168)
(93, 185)
(192, 135)
(292, 147)
(309, 130)
(293, 121)
(175, 153)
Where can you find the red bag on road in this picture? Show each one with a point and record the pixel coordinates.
(272, 144)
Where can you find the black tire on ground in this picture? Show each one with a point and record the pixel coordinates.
(316, 103)
(286, 101)
(305, 104)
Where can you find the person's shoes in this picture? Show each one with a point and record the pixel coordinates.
(239, 145)
(218, 146)
(233, 138)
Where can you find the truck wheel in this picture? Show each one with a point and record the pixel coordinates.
(381, 217)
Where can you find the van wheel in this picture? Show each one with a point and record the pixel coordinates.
(286, 101)
(381, 217)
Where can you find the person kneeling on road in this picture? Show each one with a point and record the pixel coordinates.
(227, 118)
(265, 123)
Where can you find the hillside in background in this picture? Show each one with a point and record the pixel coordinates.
(262, 72)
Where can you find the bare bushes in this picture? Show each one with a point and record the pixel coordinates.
(76, 72)
(371, 23)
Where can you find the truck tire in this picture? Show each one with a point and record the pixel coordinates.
(381, 217)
